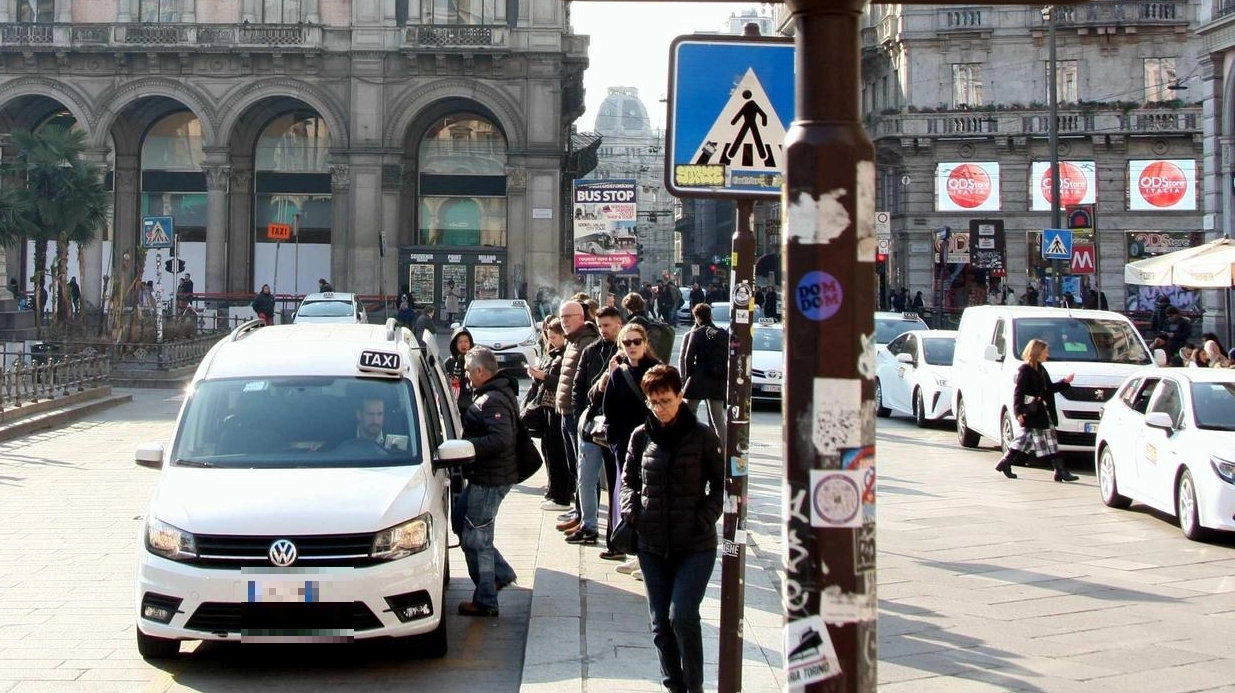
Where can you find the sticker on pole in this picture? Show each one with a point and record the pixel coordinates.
(731, 99)
(809, 652)
(818, 295)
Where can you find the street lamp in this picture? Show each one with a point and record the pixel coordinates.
(1048, 14)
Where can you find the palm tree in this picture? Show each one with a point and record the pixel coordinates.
(55, 197)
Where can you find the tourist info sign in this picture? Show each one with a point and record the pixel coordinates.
(731, 99)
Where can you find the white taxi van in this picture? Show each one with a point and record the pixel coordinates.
(305, 493)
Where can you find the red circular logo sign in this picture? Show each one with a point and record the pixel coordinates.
(1072, 184)
(969, 186)
(1163, 184)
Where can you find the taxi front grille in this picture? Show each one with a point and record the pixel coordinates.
(232, 551)
(221, 617)
(1088, 394)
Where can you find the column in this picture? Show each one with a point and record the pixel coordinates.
(340, 228)
(392, 186)
(218, 178)
(92, 252)
(364, 272)
(127, 222)
(520, 242)
(239, 233)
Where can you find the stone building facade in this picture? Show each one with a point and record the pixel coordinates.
(408, 141)
(954, 94)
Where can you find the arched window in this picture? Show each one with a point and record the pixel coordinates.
(462, 183)
(172, 182)
(291, 176)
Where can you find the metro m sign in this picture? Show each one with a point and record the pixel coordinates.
(1083, 259)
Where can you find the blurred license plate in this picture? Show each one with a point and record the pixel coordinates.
(299, 591)
(1091, 428)
(771, 388)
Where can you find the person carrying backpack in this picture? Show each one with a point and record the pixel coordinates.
(704, 362)
(660, 334)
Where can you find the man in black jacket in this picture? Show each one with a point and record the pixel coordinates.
(489, 424)
(593, 458)
(704, 362)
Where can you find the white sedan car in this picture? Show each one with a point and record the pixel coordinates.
(913, 375)
(767, 369)
(505, 326)
(1167, 439)
(890, 325)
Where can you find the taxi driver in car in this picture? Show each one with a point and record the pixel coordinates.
(370, 419)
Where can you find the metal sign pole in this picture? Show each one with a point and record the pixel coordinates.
(158, 297)
(828, 247)
(296, 263)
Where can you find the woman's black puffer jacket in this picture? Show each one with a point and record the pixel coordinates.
(674, 485)
(624, 405)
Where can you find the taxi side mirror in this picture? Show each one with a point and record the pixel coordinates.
(455, 325)
(453, 453)
(1160, 420)
(905, 358)
(149, 455)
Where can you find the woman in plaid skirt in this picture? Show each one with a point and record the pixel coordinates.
(1033, 402)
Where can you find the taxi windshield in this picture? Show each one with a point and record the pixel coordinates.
(767, 340)
(326, 309)
(319, 421)
(1214, 405)
(938, 350)
(497, 317)
(887, 329)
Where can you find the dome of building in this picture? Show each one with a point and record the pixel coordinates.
(622, 114)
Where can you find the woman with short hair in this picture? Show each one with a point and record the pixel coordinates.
(1033, 403)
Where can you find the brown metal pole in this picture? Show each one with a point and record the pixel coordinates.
(737, 447)
(829, 250)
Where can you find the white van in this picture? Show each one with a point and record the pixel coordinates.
(1100, 347)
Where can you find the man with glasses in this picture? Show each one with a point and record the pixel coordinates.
(579, 334)
(593, 459)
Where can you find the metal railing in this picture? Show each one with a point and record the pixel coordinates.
(154, 35)
(1035, 121)
(29, 382)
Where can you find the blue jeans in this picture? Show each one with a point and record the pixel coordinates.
(474, 517)
(591, 464)
(675, 586)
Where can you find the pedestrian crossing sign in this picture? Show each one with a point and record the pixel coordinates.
(731, 99)
(158, 232)
(1056, 244)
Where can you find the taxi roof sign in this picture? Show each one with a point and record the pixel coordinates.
(375, 362)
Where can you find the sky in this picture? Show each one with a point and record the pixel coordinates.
(630, 46)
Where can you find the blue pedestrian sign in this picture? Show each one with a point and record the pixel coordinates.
(158, 232)
(1057, 244)
(731, 99)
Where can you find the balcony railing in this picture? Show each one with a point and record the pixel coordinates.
(153, 35)
(964, 19)
(1036, 122)
(455, 36)
(1105, 13)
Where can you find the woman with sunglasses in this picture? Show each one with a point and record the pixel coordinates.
(672, 497)
(624, 409)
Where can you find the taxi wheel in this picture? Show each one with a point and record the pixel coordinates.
(1106, 481)
(150, 647)
(880, 410)
(1186, 509)
(919, 410)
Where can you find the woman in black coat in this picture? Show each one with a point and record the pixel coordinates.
(460, 344)
(624, 409)
(1033, 402)
(548, 372)
(673, 489)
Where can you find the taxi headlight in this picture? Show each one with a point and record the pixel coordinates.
(169, 542)
(404, 540)
(1225, 470)
(530, 341)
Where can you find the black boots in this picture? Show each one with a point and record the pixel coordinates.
(1061, 472)
(1010, 458)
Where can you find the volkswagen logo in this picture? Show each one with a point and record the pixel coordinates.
(282, 553)
(774, 375)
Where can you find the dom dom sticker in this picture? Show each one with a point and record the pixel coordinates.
(819, 295)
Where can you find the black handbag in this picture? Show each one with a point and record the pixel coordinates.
(535, 419)
(623, 538)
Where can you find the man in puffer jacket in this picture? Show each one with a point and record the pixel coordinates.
(489, 424)
(579, 334)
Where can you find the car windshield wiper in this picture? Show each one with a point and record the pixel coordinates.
(194, 463)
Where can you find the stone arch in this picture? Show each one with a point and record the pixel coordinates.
(114, 101)
(68, 96)
(411, 108)
(237, 104)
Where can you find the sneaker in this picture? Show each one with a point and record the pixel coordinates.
(583, 536)
(503, 585)
(638, 575)
(569, 525)
(474, 609)
(612, 556)
(554, 505)
(629, 567)
(568, 515)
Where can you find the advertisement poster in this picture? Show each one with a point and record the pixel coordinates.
(1078, 184)
(1161, 185)
(605, 213)
(986, 245)
(1147, 244)
(967, 187)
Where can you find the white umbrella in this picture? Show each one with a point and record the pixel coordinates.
(1170, 269)
(1209, 270)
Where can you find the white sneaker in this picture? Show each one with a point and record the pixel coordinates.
(638, 575)
(629, 567)
(550, 505)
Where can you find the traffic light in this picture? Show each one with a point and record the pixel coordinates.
(174, 265)
(639, 251)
